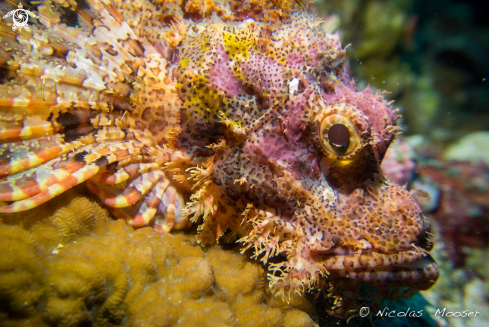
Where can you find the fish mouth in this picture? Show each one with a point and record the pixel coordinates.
(417, 270)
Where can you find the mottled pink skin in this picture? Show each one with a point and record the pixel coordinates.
(295, 59)
(345, 78)
(301, 161)
(221, 75)
(319, 48)
(295, 108)
(265, 75)
(286, 143)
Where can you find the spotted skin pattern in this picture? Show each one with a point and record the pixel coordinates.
(220, 115)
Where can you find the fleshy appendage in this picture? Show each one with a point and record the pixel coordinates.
(209, 202)
(270, 236)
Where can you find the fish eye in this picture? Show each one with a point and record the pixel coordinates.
(339, 137)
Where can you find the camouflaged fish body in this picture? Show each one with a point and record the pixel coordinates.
(239, 118)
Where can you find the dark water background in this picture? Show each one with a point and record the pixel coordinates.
(431, 55)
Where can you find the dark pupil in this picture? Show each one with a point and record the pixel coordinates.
(338, 135)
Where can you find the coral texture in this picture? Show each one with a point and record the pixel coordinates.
(238, 116)
(76, 266)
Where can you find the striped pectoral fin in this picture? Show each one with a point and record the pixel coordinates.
(163, 204)
(128, 192)
(22, 155)
(33, 181)
(15, 130)
(143, 211)
(124, 173)
(169, 215)
(56, 189)
(37, 185)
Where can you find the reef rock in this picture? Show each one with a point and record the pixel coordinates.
(473, 147)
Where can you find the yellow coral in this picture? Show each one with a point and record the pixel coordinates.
(76, 265)
(22, 273)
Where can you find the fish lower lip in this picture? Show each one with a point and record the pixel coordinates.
(420, 263)
(420, 274)
(370, 259)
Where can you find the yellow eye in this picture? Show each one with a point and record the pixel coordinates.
(343, 132)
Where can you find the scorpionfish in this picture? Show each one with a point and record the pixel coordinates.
(238, 116)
